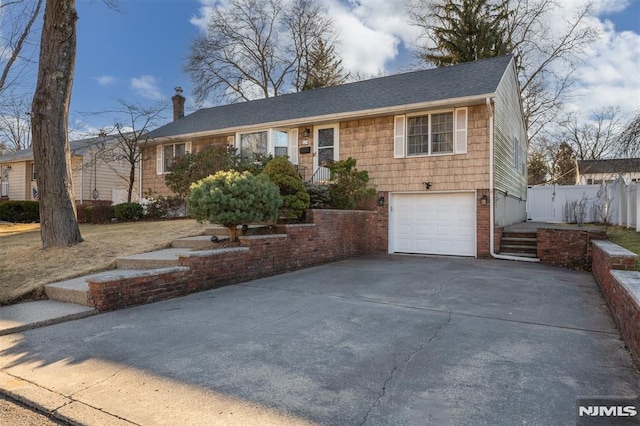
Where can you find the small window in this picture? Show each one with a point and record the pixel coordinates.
(33, 172)
(589, 181)
(430, 134)
(516, 153)
(168, 154)
(253, 145)
(280, 143)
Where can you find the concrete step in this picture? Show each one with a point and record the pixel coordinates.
(518, 234)
(152, 260)
(201, 242)
(529, 255)
(75, 290)
(520, 240)
(25, 316)
(518, 248)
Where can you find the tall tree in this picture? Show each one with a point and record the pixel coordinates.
(564, 165)
(546, 55)
(256, 49)
(130, 129)
(49, 121)
(537, 168)
(466, 30)
(15, 127)
(596, 136)
(16, 22)
(324, 67)
(629, 146)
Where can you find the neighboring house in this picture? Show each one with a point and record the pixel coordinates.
(95, 175)
(435, 143)
(591, 172)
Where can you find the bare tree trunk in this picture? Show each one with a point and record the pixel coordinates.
(49, 121)
(132, 178)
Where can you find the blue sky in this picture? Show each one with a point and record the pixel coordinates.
(137, 54)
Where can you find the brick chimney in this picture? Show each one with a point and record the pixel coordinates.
(178, 104)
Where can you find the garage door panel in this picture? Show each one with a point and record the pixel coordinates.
(434, 223)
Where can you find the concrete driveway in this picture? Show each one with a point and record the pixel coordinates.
(384, 340)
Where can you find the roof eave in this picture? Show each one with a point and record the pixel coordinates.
(327, 118)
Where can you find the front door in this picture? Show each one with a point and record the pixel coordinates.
(326, 150)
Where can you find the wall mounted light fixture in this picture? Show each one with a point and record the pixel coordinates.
(381, 201)
(307, 132)
(427, 185)
(484, 200)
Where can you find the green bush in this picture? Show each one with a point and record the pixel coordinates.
(349, 185)
(128, 211)
(232, 198)
(319, 196)
(160, 207)
(94, 212)
(294, 194)
(20, 211)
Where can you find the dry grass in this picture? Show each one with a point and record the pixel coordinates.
(25, 267)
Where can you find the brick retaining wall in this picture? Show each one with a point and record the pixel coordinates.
(333, 235)
(569, 247)
(614, 271)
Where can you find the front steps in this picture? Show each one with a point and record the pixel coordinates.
(76, 290)
(519, 243)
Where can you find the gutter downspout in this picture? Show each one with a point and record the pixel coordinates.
(491, 196)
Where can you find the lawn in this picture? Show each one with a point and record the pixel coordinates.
(25, 267)
(627, 238)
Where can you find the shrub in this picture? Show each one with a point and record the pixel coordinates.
(294, 194)
(160, 207)
(128, 211)
(190, 168)
(20, 211)
(232, 198)
(349, 185)
(94, 212)
(319, 196)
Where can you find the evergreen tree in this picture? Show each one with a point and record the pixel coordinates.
(564, 165)
(537, 168)
(467, 30)
(324, 69)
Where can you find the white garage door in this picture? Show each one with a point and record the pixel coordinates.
(433, 224)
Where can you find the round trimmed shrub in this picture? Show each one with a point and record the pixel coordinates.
(128, 211)
(294, 194)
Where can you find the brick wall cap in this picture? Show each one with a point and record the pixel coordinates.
(343, 211)
(127, 274)
(214, 252)
(630, 281)
(299, 225)
(570, 227)
(613, 249)
(262, 237)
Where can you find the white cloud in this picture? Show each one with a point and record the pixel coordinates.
(147, 87)
(105, 80)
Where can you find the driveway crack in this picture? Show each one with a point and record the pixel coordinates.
(412, 354)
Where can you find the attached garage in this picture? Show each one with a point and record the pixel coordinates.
(433, 223)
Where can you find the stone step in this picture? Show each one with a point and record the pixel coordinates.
(201, 242)
(152, 260)
(520, 240)
(529, 255)
(25, 316)
(518, 234)
(75, 290)
(518, 248)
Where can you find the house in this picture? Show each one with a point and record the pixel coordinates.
(445, 148)
(95, 175)
(591, 172)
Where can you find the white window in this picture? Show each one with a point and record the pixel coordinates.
(434, 133)
(33, 172)
(253, 145)
(516, 153)
(167, 154)
(274, 142)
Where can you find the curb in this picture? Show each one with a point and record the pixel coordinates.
(56, 405)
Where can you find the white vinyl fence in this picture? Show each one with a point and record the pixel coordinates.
(614, 203)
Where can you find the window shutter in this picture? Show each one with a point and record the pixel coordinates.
(461, 131)
(159, 160)
(293, 146)
(399, 136)
(187, 147)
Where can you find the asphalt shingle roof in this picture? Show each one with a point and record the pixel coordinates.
(77, 147)
(458, 81)
(616, 165)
